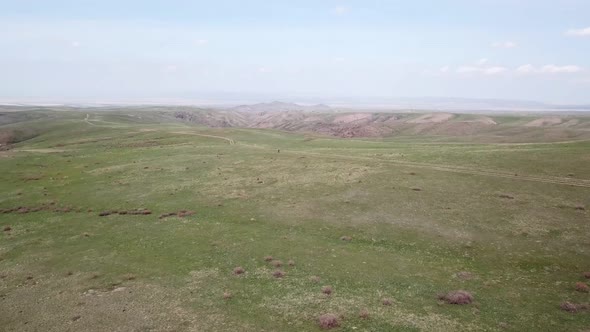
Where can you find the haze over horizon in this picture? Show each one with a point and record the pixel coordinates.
(137, 51)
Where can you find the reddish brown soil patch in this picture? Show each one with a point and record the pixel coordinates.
(586, 275)
(327, 290)
(364, 314)
(239, 270)
(278, 274)
(328, 321)
(464, 275)
(573, 307)
(457, 297)
(582, 287)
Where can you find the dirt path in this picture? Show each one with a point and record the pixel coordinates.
(458, 169)
(231, 141)
(87, 120)
(437, 167)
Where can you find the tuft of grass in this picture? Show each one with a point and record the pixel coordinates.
(582, 287)
(573, 307)
(364, 314)
(328, 321)
(457, 297)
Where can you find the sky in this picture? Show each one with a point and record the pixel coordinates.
(320, 50)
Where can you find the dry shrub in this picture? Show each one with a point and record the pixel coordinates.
(328, 321)
(464, 275)
(586, 275)
(327, 290)
(457, 297)
(416, 189)
(122, 212)
(506, 196)
(185, 213)
(227, 295)
(268, 258)
(364, 314)
(166, 215)
(291, 262)
(315, 279)
(278, 274)
(239, 270)
(582, 287)
(277, 263)
(129, 276)
(573, 307)
(346, 238)
(580, 207)
(387, 301)
(7, 228)
(105, 213)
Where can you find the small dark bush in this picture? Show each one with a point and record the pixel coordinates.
(364, 314)
(457, 297)
(239, 270)
(328, 321)
(327, 290)
(582, 287)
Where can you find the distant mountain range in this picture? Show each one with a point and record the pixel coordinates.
(281, 106)
(245, 104)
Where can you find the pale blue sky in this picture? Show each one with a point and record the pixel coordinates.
(322, 49)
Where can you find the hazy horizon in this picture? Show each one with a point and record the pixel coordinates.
(90, 51)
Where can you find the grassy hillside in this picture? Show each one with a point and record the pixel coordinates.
(401, 219)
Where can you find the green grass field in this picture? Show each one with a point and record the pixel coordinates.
(419, 211)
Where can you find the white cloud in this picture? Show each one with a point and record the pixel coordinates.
(75, 44)
(341, 10)
(504, 44)
(495, 70)
(482, 68)
(584, 32)
(526, 69)
(482, 61)
(548, 69)
(445, 69)
(264, 70)
(339, 59)
(202, 42)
